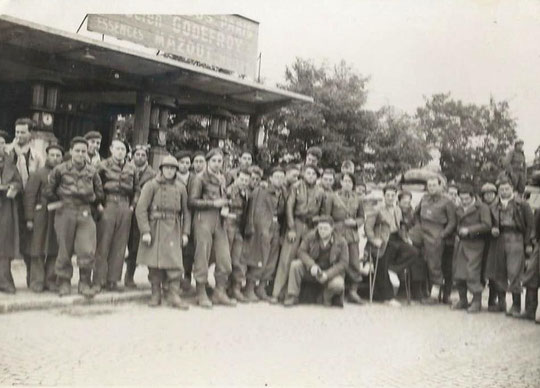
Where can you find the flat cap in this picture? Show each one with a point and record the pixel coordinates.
(92, 135)
(315, 151)
(78, 139)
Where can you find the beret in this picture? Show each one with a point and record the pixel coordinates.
(78, 139)
(315, 151)
(488, 188)
(213, 152)
(54, 146)
(323, 218)
(182, 154)
(92, 135)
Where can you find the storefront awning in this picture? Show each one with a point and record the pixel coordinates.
(91, 68)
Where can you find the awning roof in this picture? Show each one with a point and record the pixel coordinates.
(32, 51)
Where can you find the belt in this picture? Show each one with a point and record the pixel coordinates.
(160, 215)
(117, 198)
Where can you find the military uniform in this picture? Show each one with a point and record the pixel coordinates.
(144, 175)
(209, 233)
(436, 216)
(469, 251)
(43, 245)
(163, 211)
(9, 231)
(506, 257)
(332, 259)
(234, 225)
(188, 252)
(121, 188)
(343, 205)
(531, 277)
(265, 213)
(75, 228)
(516, 167)
(304, 203)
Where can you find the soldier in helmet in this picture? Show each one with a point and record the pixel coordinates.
(164, 220)
(515, 166)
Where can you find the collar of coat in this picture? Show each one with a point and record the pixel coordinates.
(462, 211)
(110, 162)
(216, 179)
(71, 166)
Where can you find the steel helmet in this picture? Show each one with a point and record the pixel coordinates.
(170, 161)
(488, 187)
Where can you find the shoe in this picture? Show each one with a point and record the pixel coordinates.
(290, 300)
(220, 297)
(202, 296)
(237, 293)
(173, 296)
(186, 287)
(250, 294)
(65, 288)
(460, 304)
(273, 300)
(130, 274)
(393, 303)
(85, 287)
(155, 299)
(476, 304)
(495, 309)
(113, 287)
(260, 291)
(353, 297)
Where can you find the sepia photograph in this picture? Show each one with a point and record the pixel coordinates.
(301, 193)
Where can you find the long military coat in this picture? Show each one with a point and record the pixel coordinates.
(163, 212)
(9, 232)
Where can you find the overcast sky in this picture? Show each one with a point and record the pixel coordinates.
(410, 49)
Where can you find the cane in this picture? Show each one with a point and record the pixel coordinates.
(374, 275)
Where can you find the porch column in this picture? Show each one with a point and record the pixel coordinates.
(141, 124)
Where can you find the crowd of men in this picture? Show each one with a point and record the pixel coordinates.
(290, 233)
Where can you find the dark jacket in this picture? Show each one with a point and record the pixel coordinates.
(309, 250)
(205, 188)
(303, 202)
(119, 180)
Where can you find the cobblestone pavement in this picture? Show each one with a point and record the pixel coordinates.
(374, 346)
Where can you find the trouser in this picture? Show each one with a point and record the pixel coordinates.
(509, 271)
(433, 251)
(270, 243)
(25, 237)
(6, 278)
(468, 270)
(447, 267)
(188, 254)
(236, 244)
(299, 273)
(112, 238)
(519, 181)
(158, 276)
(210, 239)
(397, 257)
(42, 273)
(288, 252)
(353, 274)
(76, 234)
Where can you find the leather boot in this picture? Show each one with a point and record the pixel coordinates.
(85, 287)
(64, 287)
(250, 292)
(155, 299)
(461, 303)
(186, 287)
(202, 296)
(173, 296)
(6, 279)
(476, 304)
(446, 291)
(501, 302)
(435, 295)
(531, 303)
(416, 290)
(130, 273)
(220, 296)
(515, 310)
(492, 298)
(352, 295)
(260, 291)
(237, 293)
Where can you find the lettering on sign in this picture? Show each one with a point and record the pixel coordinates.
(229, 42)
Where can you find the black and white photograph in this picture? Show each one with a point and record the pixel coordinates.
(254, 193)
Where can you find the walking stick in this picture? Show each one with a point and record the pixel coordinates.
(373, 278)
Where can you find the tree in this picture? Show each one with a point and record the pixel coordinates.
(472, 139)
(335, 121)
(395, 145)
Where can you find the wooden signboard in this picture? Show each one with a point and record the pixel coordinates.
(228, 42)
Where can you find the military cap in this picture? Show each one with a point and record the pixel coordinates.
(488, 188)
(55, 146)
(183, 154)
(78, 139)
(323, 218)
(198, 153)
(466, 189)
(4, 135)
(92, 135)
(170, 161)
(213, 152)
(315, 151)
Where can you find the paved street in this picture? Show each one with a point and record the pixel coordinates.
(268, 345)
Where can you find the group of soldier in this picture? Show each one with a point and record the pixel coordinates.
(278, 236)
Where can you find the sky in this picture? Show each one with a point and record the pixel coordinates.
(409, 49)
